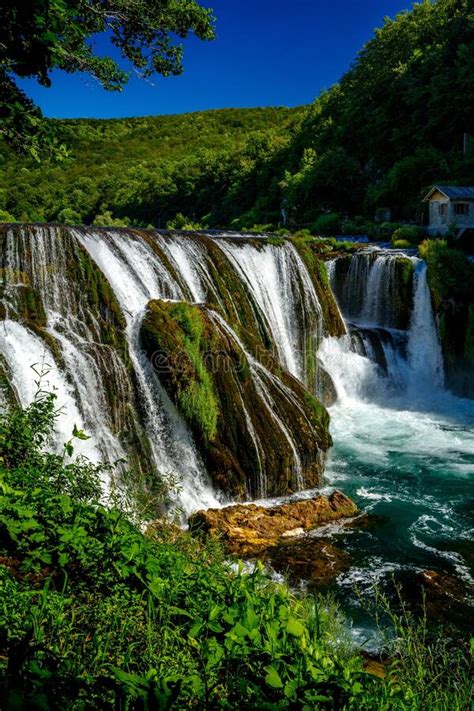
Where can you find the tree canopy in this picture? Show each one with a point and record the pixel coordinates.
(43, 35)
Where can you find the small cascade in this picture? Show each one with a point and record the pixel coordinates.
(424, 349)
(371, 289)
(282, 288)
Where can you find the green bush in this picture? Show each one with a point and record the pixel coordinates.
(329, 224)
(401, 244)
(359, 225)
(106, 219)
(6, 217)
(68, 216)
(276, 240)
(259, 229)
(408, 233)
(181, 222)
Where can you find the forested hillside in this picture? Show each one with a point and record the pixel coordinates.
(144, 169)
(394, 124)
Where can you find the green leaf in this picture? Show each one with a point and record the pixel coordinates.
(295, 627)
(215, 627)
(79, 434)
(239, 630)
(273, 678)
(252, 620)
(196, 628)
(290, 689)
(214, 612)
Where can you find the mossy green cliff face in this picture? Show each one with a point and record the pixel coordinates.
(260, 434)
(451, 282)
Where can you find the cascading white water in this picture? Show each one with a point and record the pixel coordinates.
(137, 275)
(188, 259)
(424, 349)
(282, 288)
(31, 366)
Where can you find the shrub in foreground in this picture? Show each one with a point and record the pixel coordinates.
(96, 614)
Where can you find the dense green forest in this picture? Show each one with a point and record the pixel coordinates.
(393, 125)
(147, 169)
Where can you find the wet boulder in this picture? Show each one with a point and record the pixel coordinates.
(317, 561)
(249, 529)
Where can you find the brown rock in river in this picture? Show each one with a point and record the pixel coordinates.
(248, 529)
(315, 560)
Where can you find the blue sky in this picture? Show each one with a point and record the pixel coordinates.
(267, 53)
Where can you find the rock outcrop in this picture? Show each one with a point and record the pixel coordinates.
(249, 529)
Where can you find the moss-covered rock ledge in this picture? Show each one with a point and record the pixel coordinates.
(260, 434)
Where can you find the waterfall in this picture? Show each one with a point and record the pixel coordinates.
(382, 360)
(424, 349)
(371, 287)
(282, 288)
(75, 297)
